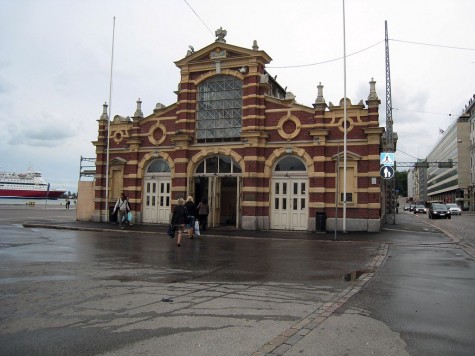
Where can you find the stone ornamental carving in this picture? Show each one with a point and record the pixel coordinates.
(320, 99)
(220, 34)
(138, 111)
(104, 115)
(372, 90)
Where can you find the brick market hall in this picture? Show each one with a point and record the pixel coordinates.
(239, 140)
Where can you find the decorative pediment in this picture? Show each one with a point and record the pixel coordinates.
(350, 156)
(222, 51)
(118, 161)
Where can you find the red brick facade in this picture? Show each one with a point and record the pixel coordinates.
(258, 193)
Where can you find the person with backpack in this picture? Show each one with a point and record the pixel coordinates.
(179, 218)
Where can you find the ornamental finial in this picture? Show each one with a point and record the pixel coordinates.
(372, 90)
(220, 34)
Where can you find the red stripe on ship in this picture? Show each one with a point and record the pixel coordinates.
(38, 194)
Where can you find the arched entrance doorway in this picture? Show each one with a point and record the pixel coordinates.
(289, 198)
(217, 179)
(156, 192)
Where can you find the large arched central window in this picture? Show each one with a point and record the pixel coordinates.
(219, 111)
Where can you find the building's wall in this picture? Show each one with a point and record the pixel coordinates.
(271, 129)
(410, 183)
(447, 184)
(85, 202)
(471, 187)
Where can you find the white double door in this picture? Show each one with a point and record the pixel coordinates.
(289, 203)
(157, 200)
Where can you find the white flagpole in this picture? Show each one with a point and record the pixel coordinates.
(344, 119)
(109, 128)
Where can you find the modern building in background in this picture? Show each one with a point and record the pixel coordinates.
(448, 174)
(239, 140)
(420, 181)
(470, 110)
(410, 184)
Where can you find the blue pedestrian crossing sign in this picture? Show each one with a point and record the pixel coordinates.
(387, 158)
(386, 172)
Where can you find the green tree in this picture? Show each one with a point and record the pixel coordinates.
(401, 183)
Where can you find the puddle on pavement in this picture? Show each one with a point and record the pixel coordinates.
(353, 276)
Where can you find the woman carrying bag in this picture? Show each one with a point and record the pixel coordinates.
(121, 208)
(191, 208)
(179, 217)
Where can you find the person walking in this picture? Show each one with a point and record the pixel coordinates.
(179, 217)
(203, 211)
(128, 216)
(191, 208)
(121, 209)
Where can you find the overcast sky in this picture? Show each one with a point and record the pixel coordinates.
(55, 59)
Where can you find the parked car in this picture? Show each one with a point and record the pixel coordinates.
(407, 207)
(420, 209)
(439, 211)
(411, 207)
(454, 209)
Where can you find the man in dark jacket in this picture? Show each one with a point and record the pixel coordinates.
(179, 217)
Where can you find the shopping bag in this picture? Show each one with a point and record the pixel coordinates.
(171, 231)
(129, 217)
(197, 228)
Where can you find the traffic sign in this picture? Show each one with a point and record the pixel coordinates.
(387, 158)
(386, 172)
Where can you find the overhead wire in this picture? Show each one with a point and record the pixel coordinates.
(367, 48)
(423, 112)
(397, 149)
(329, 60)
(198, 16)
(433, 45)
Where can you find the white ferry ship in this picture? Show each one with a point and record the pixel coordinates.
(26, 185)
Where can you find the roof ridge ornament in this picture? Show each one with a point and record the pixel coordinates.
(220, 34)
(320, 99)
(104, 115)
(372, 90)
(138, 112)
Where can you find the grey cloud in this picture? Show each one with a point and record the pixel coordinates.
(46, 131)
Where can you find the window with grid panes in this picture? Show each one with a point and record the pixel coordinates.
(219, 109)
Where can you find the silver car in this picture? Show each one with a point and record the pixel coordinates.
(454, 209)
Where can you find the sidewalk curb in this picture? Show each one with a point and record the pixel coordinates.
(290, 337)
(78, 228)
(162, 232)
(455, 239)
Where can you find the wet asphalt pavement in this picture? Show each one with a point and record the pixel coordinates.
(77, 288)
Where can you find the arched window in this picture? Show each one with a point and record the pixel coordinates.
(290, 164)
(219, 109)
(158, 166)
(218, 165)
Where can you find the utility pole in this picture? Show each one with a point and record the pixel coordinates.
(389, 184)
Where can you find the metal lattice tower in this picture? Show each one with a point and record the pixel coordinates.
(389, 184)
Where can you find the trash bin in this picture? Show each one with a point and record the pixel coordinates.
(321, 222)
(112, 216)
